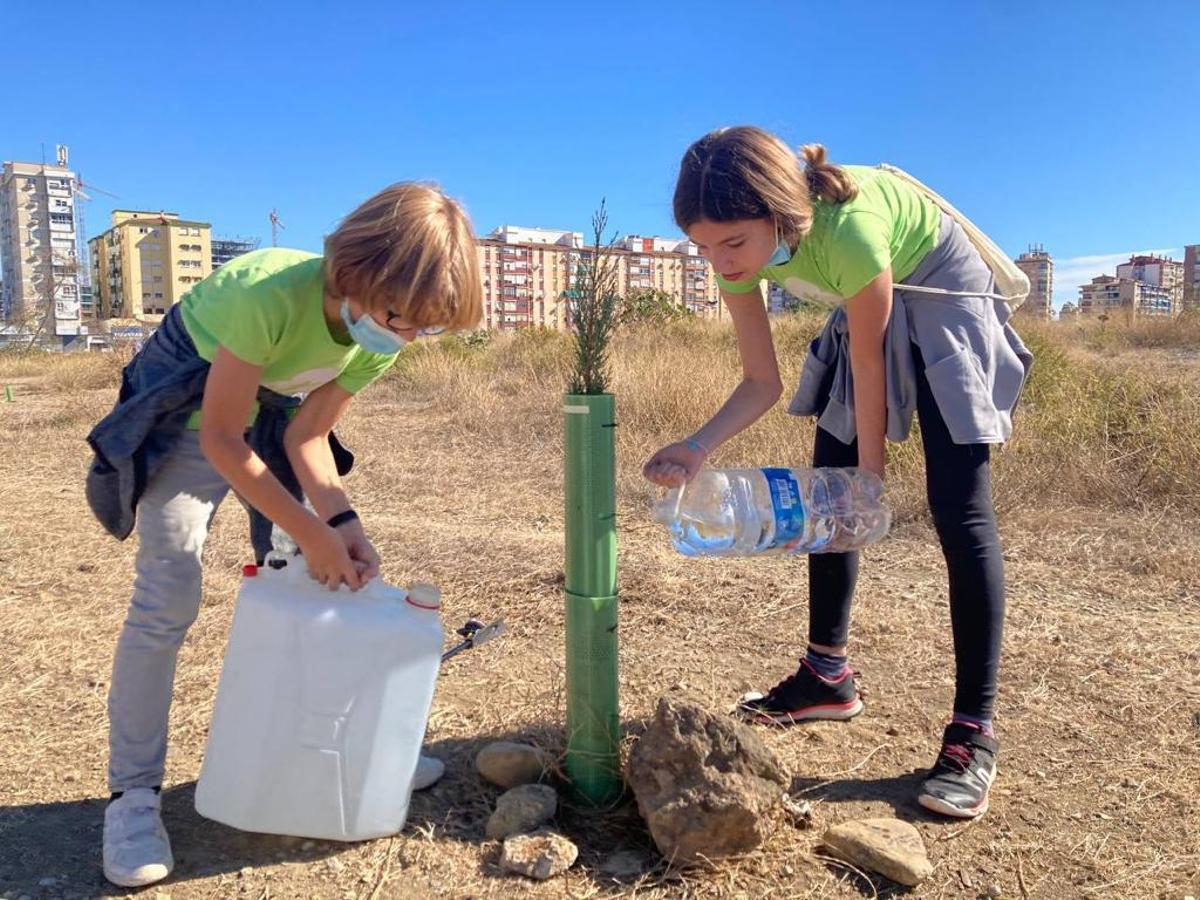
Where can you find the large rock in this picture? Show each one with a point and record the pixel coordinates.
(887, 846)
(705, 784)
(539, 856)
(509, 764)
(522, 809)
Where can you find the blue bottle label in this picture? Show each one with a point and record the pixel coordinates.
(788, 507)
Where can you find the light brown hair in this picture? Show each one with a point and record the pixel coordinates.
(409, 249)
(747, 173)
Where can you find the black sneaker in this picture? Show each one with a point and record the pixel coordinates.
(805, 696)
(959, 781)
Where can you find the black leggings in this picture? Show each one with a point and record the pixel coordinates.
(959, 486)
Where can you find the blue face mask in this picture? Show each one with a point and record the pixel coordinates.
(781, 255)
(370, 335)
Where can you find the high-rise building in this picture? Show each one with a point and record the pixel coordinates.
(1109, 295)
(1038, 265)
(1157, 271)
(529, 274)
(39, 250)
(146, 262)
(1191, 277)
(224, 249)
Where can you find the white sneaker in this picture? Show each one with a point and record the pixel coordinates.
(429, 771)
(136, 848)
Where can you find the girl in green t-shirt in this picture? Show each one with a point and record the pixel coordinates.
(238, 349)
(916, 325)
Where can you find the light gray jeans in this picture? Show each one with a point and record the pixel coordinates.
(174, 516)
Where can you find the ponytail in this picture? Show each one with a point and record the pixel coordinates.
(825, 180)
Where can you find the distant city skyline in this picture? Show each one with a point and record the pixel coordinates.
(531, 114)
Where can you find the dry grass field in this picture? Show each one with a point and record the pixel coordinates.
(459, 481)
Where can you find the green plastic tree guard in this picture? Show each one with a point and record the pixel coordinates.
(593, 717)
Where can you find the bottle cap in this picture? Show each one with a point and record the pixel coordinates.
(249, 570)
(424, 595)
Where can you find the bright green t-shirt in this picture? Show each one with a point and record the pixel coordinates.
(267, 309)
(889, 223)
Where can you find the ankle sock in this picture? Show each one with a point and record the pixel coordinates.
(116, 795)
(984, 725)
(828, 666)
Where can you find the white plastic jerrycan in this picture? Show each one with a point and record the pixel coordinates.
(321, 707)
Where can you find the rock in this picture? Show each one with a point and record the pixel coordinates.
(887, 846)
(799, 812)
(995, 892)
(539, 856)
(705, 784)
(510, 765)
(521, 810)
(623, 864)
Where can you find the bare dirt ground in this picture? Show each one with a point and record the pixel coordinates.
(1099, 710)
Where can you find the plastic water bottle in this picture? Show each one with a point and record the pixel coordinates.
(771, 512)
(321, 707)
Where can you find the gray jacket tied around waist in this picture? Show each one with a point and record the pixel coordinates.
(160, 388)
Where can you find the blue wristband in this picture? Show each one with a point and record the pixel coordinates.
(692, 444)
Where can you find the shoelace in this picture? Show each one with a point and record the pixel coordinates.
(956, 756)
(790, 680)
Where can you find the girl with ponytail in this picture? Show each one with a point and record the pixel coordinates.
(916, 327)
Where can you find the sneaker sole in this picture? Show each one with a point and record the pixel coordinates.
(833, 712)
(937, 805)
(133, 879)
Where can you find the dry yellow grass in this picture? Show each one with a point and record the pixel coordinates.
(459, 481)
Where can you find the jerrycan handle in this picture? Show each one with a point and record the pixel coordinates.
(294, 568)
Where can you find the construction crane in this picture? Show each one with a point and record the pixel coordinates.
(83, 269)
(275, 226)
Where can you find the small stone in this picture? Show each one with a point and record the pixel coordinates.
(892, 731)
(47, 882)
(521, 810)
(799, 812)
(246, 870)
(539, 856)
(887, 846)
(623, 864)
(508, 764)
(995, 892)
(335, 864)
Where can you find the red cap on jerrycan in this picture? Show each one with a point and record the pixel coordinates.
(249, 570)
(424, 596)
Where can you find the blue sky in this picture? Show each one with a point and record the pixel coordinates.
(1073, 126)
